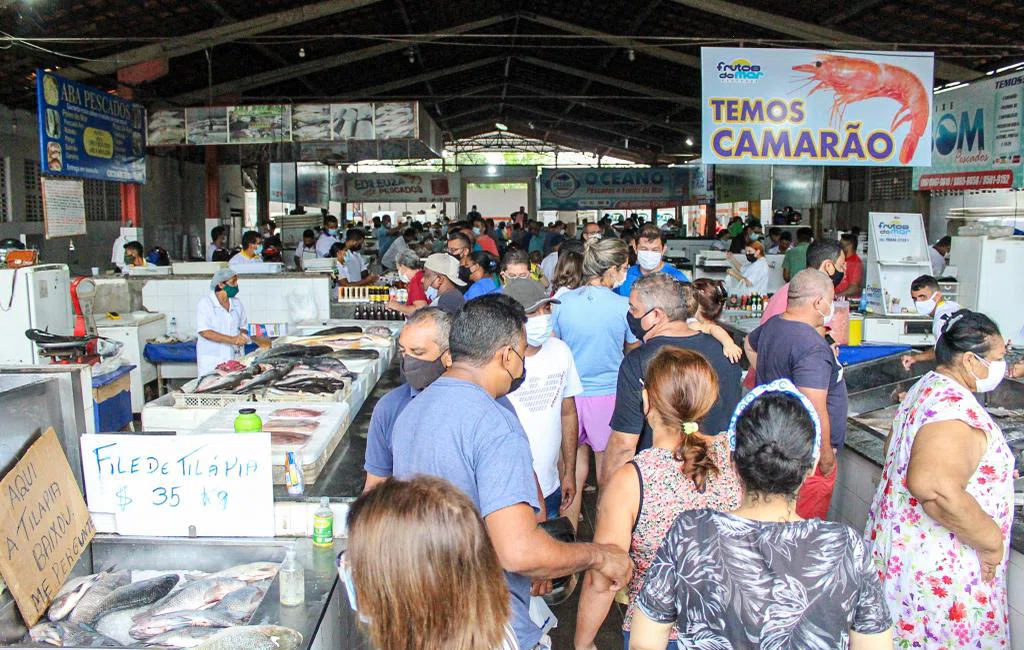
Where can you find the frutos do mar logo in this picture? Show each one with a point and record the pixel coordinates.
(739, 71)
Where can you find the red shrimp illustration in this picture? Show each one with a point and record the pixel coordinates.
(854, 80)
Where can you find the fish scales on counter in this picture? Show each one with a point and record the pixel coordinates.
(71, 635)
(88, 607)
(149, 626)
(184, 637)
(253, 637)
(296, 412)
(71, 593)
(197, 595)
(137, 594)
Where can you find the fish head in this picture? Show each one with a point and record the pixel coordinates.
(283, 638)
(48, 633)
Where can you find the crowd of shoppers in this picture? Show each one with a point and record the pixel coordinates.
(712, 525)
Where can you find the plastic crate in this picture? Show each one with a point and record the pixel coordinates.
(336, 396)
(185, 399)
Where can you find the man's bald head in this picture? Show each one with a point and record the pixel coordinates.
(809, 286)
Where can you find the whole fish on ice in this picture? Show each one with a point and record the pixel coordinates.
(265, 377)
(185, 637)
(72, 635)
(253, 637)
(71, 592)
(154, 625)
(250, 572)
(197, 595)
(137, 594)
(240, 605)
(88, 607)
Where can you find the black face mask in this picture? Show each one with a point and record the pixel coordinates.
(635, 327)
(419, 373)
(837, 278)
(464, 274)
(517, 381)
(751, 258)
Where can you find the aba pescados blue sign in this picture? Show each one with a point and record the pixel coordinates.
(612, 188)
(88, 133)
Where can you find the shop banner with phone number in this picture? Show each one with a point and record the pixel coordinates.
(979, 139)
(814, 107)
(615, 188)
(88, 133)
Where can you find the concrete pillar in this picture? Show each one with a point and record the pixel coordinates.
(531, 198)
(263, 192)
(212, 183)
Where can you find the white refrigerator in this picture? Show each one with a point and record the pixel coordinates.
(989, 273)
(33, 297)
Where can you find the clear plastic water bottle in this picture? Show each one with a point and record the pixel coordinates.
(292, 580)
(172, 327)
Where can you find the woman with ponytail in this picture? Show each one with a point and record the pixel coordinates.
(760, 576)
(685, 469)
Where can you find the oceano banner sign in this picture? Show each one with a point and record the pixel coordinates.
(814, 107)
(613, 188)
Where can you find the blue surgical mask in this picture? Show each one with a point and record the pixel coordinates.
(476, 231)
(431, 294)
(345, 574)
(259, 249)
(332, 232)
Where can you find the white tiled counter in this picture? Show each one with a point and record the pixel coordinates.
(276, 299)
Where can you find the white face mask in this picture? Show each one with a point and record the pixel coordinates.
(538, 329)
(621, 280)
(648, 260)
(926, 307)
(831, 313)
(996, 372)
(403, 277)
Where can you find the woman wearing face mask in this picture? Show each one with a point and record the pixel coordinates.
(752, 277)
(592, 321)
(410, 271)
(483, 271)
(939, 525)
(221, 323)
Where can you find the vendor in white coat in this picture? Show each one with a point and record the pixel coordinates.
(221, 322)
(752, 277)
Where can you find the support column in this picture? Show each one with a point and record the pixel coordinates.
(212, 183)
(131, 198)
(263, 193)
(531, 198)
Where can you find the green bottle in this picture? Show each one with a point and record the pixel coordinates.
(248, 422)
(323, 524)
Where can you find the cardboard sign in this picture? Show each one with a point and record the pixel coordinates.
(46, 526)
(206, 484)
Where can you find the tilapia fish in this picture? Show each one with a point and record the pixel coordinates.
(251, 572)
(348, 355)
(266, 377)
(291, 350)
(70, 594)
(185, 637)
(216, 383)
(253, 637)
(296, 412)
(88, 607)
(240, 605)
(71, 635)
(154, 625)
(137, 594)
(197, 595)
(341, 329)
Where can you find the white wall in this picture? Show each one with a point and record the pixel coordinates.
(496, 201)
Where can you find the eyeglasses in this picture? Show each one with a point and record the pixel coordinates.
(456, 252)
(517, 276)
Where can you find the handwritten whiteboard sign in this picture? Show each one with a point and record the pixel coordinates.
(45, 526)
(63, 208)
(162, 485)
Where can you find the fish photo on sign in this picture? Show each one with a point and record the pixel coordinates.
(311, 122)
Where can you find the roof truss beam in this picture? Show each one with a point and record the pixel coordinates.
(632, 87)
(809, 32)
(426, 76)
(590, 125)
(214, 36)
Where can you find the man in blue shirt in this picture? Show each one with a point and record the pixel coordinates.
(650, 248)
(456, 430)
(385, 235)
(423, 345)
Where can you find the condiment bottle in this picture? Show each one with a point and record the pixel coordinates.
(247, 421)
(323, 524)
(293, 581)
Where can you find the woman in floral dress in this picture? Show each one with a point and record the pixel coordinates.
(939, 525)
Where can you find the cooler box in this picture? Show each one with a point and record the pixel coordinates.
(112, 396)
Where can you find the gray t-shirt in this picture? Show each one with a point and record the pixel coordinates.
(455, 430)
(795, 351)
(450, 301)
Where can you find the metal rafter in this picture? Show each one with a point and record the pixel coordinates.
(426, 76)
(632, 87)
(590, 125)
(810, 32)
(418, 53)
(270, 77)
(207, 38)
(854, 9)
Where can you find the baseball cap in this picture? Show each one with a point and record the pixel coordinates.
(529, 293)
(446, 265)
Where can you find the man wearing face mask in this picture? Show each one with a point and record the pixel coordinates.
(134, 256)
(591, 230)
(483, 240)
(929, 301)
(659, 308)
(456, 430)
(441, 282)
(252, 251)
(352, 268)
(791, 347)
(650, 249)
(423, 345)
(329, 236)
(544, 403)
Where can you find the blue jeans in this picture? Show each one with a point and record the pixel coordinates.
(672, 645)
(552, 504)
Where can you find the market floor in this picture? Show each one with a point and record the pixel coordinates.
(343, 476)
